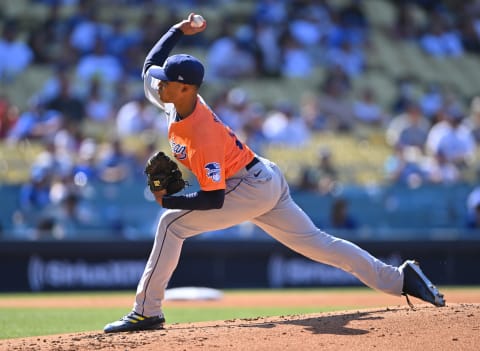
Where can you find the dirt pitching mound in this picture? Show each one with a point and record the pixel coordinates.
(454, 327)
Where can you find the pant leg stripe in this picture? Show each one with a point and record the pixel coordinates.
(161, 248)
(158, 258)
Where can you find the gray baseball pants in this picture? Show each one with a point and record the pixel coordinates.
(259, 195)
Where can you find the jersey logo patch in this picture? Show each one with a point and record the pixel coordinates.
(178, 150)
(213, 171)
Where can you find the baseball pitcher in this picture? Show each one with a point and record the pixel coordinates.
(236, 185)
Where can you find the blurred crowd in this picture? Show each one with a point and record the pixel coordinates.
(96, 70)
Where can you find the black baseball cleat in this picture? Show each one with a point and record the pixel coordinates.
(135, 321)
(415, 283)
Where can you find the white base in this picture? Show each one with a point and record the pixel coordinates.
(193, 293)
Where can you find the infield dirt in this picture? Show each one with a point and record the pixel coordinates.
(396, 327)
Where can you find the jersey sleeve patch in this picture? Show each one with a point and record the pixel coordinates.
(213, 171)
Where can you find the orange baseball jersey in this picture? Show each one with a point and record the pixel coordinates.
(201, 142)
(207, 147)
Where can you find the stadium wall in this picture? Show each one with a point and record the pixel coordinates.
(107, 265)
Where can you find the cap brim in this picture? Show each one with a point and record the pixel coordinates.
(158, 73)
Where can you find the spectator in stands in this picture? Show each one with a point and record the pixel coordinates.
(405, 26)
(274, 12)
(267, 40)
(115, 164)
(405, 88)
(335, 32)
(283, 125)
(42, 229)
(368, 111)
(49, 36)
(150, 27)
(404, 166)
(307, 28)
(137, 116)
(51, 87)
(98, 109)
(55, 24)
(61, 185)
(340, 216)
(474, 8)
(8, 116)
(121, 37)
(473, 198)
(80, 12)
(355, 21)
(296, 60)
(432, 101)
(87, 31)
(349, 58)
(409, 128)
(66, 217)
(123, 94)
(67, 102)
(232, 108)
(141, 157)
(338, 78)
(442, 126)
(56, 158)
(65, 55)
(252, 132)
(36, 123)
(323, 176)
(227, 48)
(132, 61)
(334, 102)
(439, 170)
(457, 143)
(99, 65)
(473, 208)
(85, 169)
(311, 114)
(469, 34)
(73, 218)
(34, 196)
(441, 41)
(473, 221)
(473, 120)
(125, 42)
(67, 141)
(41, 46)
(15, 54)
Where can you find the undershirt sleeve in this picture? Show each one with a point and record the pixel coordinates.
(160, 51)
(200, 200)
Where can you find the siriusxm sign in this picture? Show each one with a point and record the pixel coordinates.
(69, 274)
(299, 271)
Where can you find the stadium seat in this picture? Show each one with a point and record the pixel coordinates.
(382, 84)
(388, 56)
(26, 85)
(379, 13)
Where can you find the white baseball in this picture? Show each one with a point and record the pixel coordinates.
(197, 21)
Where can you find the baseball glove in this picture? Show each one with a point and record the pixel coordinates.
(163, 173)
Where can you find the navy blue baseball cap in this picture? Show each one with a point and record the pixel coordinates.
(180, 68)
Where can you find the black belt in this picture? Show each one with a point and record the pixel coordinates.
(252, 163)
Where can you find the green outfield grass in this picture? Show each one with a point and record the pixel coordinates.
(23, 322)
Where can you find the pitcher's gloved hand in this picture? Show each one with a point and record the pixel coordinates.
(163, 173)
